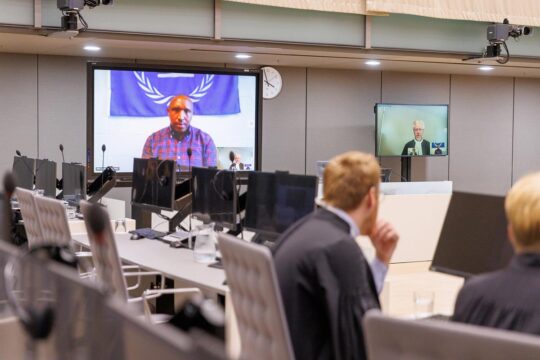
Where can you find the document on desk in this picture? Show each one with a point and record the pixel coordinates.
(178, 236)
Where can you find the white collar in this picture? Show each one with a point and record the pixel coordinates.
(354, 230)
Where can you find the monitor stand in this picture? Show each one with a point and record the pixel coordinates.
(406, 168)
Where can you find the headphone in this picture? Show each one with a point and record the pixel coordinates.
(222, 193)
(38, 323)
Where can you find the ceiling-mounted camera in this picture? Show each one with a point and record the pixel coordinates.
(497, 34)
(71, 13)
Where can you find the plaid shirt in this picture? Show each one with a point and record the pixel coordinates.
(164, 145)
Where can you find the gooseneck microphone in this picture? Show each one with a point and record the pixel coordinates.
(231, 157)
(189, 153)
(18, 153)
(61, 147)
(103, 148)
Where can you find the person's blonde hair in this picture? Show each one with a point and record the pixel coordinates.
(348, 177)
(522, 206)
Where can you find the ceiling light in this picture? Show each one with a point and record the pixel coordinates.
(92, 48)
(486, 68)
(242, 56)
(373, 62)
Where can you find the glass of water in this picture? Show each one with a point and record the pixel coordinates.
(120, 225)
(204, 250)
(423, 303)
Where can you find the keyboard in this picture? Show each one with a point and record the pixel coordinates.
(440, 317)
(149, 233)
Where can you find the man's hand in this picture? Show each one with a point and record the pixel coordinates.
(384, 238)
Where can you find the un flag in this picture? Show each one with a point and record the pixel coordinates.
(147, 94)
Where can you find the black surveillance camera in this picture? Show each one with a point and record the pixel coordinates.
(107, 2)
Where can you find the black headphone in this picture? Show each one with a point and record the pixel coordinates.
(222, 193)
(38, 323)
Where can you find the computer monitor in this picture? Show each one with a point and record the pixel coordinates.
(154, 184)
(215, 196)
(275, 201)
(473, 239)
(23, 171)
(74, 181)
(46, 176)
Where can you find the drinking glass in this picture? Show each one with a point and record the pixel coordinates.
(204, 250)
(423, 303)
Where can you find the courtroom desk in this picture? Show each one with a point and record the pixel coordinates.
(174, 263)
(177, 264)
(77, 226)
(403, 279)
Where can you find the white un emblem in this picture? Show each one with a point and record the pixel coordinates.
(157, 97)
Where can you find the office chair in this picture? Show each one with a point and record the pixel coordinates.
(392, 339)
(53, 221)
(109, 269)
(29, 214)
(256, 297)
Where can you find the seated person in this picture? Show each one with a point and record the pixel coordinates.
(326, 283)
(506, 299)
(186, 144)
(418, 145)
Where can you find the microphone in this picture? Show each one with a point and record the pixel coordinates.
(61, 147)
(103, 148)
(189, 153)
(232, 155)
(18, 153)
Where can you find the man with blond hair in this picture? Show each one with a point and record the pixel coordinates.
(508, 298)
(326, 283)
(417, 146)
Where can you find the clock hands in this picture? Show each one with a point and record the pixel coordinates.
(266, 79)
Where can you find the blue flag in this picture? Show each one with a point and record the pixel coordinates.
(147, 94)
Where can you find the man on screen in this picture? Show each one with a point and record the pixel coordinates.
(418, 145)
(180, 141)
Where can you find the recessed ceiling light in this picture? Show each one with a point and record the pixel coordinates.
(92, 48)
(242, 56)
(486, 68)
(373, 62)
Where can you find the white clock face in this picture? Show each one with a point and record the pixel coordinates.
(272, 82)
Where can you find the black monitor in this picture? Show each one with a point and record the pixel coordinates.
(46, 176)
(215, 196)
(275, 201)
(474, 238)
(74, 181)
(154, 184)
(23, 171)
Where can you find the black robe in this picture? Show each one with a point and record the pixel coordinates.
(506, 299)
(326, 285)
